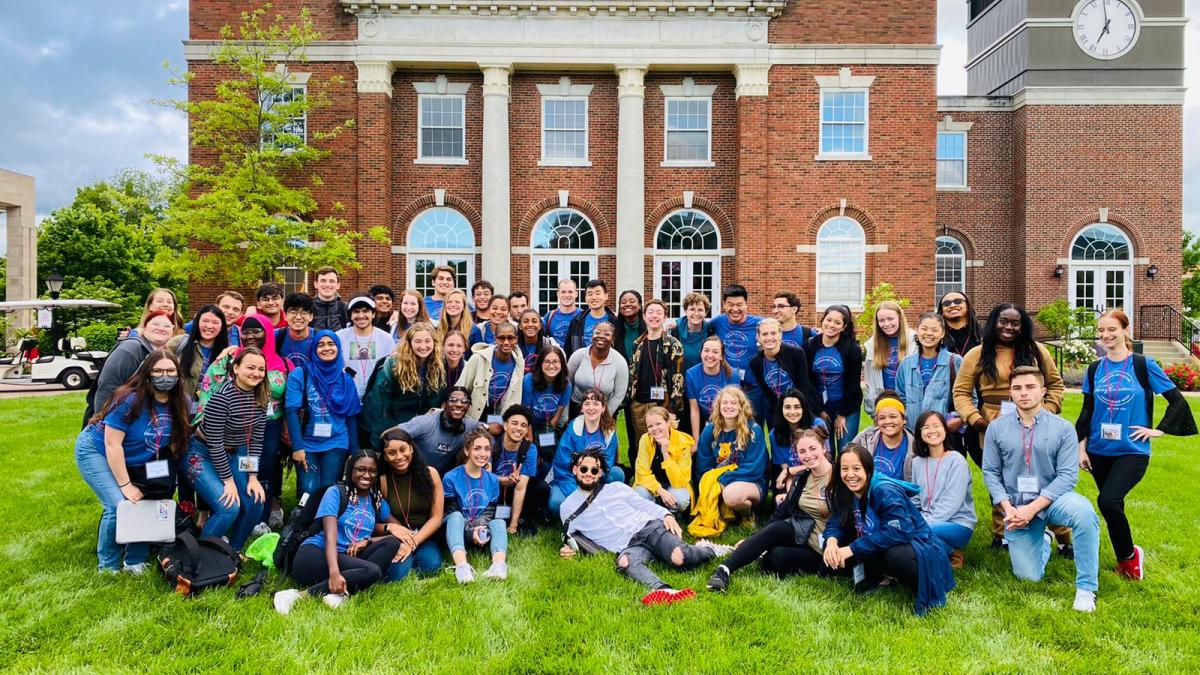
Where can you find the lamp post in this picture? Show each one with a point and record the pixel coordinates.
(54, 284)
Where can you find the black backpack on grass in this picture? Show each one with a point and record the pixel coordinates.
(303, 524)
(193, 564)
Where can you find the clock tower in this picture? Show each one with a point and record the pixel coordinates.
(1095, 90)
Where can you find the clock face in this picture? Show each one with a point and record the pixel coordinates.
(1106, 29)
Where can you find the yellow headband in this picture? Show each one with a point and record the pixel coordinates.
(889, 403)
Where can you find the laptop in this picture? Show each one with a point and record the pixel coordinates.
(147, 521)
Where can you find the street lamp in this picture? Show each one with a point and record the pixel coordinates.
(54, 284)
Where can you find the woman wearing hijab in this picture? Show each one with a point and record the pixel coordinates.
(322, 414)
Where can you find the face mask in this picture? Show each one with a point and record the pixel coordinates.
(165, 382)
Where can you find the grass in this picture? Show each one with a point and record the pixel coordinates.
(578, 615)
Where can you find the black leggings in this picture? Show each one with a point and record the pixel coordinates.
(776, 539)
(369, 566)
(1115, 477)
(898, 562)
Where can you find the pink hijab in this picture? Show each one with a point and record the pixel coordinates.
(274, 360)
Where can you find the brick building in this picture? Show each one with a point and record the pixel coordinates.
(679, 145)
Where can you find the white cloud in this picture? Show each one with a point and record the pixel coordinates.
(165, 8)
(952, 36)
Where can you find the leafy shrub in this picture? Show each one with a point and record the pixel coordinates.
(99, 336)
(1184, 376)
(1063, 321)
(864, 325)
(1077, 353)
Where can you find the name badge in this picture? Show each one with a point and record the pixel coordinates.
(158, 469)
(1028, 484)
(860, 574)
(248, 464)
(271, 408)
(546, 439)
(495, 419)
(740, 372)
(1007, 408)
(322, 429)
(1110, 432)
(164, 510)
(503, 512)
(658, 393)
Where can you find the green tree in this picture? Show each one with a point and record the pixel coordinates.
(248, 210)
(1191, 273)
(864, 324)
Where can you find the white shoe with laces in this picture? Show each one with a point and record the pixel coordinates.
(136, 570)
(284, 600)
(335, 600)
(719, 550)
(1085, 601)
(498, 570)
(464, 573)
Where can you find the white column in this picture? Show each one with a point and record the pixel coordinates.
(497, 244)
(631, 178)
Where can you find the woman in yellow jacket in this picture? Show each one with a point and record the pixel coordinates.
(664, 463)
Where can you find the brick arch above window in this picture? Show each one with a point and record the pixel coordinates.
(1079, 225)
(709, 208)
(524, 230)
(414, 208)
(968, 243)
(870, 230)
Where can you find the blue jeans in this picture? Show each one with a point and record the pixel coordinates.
(953, 535)
(427, 559)
(558, 495)
(93, 466)
(683, 498)
(1028, 549)
(235, 522)
(324, 469)
(456, 530)
(270, 470)
(851, 430)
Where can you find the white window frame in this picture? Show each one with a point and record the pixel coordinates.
(566, 161)
(439, 256)
(1100, 267)
(289, 287)
(686, 257)
(564, 272)
(437, 159)
(962, 265)
(564, 256)
(844, 82)
(294, 86)
(687, 91)
(822, 302)
(952, 186)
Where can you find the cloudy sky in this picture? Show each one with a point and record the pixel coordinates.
(78, 76)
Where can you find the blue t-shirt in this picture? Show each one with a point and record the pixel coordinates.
(144, 435)
(890, 462)
(357, 522)
(502, 465)
(740, 340)
(775, 376)
(703, 388)
(543, 402)
(558, 322)
(796, 336)
(474, 495)
(482, 333)
(294, 350)
(589, 324)
(318, 413)
(927, 366)
(434, 308)
(828, 366)
(785, 454)
(1121, 400)
(529, 353)
(502, 375)
(893, 363)
(572, 443)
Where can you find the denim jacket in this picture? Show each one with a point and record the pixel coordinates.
(916, 395)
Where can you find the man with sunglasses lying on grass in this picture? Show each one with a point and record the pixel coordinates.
(602, 516)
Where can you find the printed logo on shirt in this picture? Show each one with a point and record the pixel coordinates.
(777, 379)
(724, 450)
(1116, 388)
(708, 396)
(444, 449)
(158, 431)
(545, 404)
(498, 385)
(477, 500)
(829, 370)
(362, 351)
(297, 359)
(737, 346)
(316, 401)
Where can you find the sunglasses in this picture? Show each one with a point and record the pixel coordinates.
(457, 399)
(590, 470)
(953, 301)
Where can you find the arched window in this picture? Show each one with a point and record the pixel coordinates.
(687, 259)
(440, 236)
(841, 262)
(1101, 269)
(564, 246)
(950, 271)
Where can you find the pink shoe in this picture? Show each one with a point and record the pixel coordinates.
(667, 596)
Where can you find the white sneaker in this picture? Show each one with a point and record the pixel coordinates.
(464, 573)
(260, 529)
(719, 550)
(335, 600)
(285, 599)
(1085, 601)
(498, 570)
(136, 570)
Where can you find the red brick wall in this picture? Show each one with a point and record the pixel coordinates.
(831, 22)
(206, 17)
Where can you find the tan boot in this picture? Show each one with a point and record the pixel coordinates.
(956, 559)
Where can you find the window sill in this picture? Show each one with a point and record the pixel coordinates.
(583, 163)
(836, 157)
(449, 161)
(695, 164)
(953, 188)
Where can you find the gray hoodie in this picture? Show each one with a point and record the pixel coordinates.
(945, 489)
(438, 445)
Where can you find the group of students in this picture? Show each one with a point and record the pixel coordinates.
(447, 424)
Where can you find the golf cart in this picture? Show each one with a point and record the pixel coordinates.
(75, 369)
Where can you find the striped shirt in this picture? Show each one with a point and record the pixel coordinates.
(232, 419)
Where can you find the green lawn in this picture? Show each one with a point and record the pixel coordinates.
(578, 615)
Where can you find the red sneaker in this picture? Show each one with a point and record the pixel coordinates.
(667, 596)
(1132, 568)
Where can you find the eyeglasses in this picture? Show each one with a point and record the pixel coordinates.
(296, 311)
(590, 470)
(506, 338)
(369, 472)
(160, 372)
(953, 301)
(457, 399)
